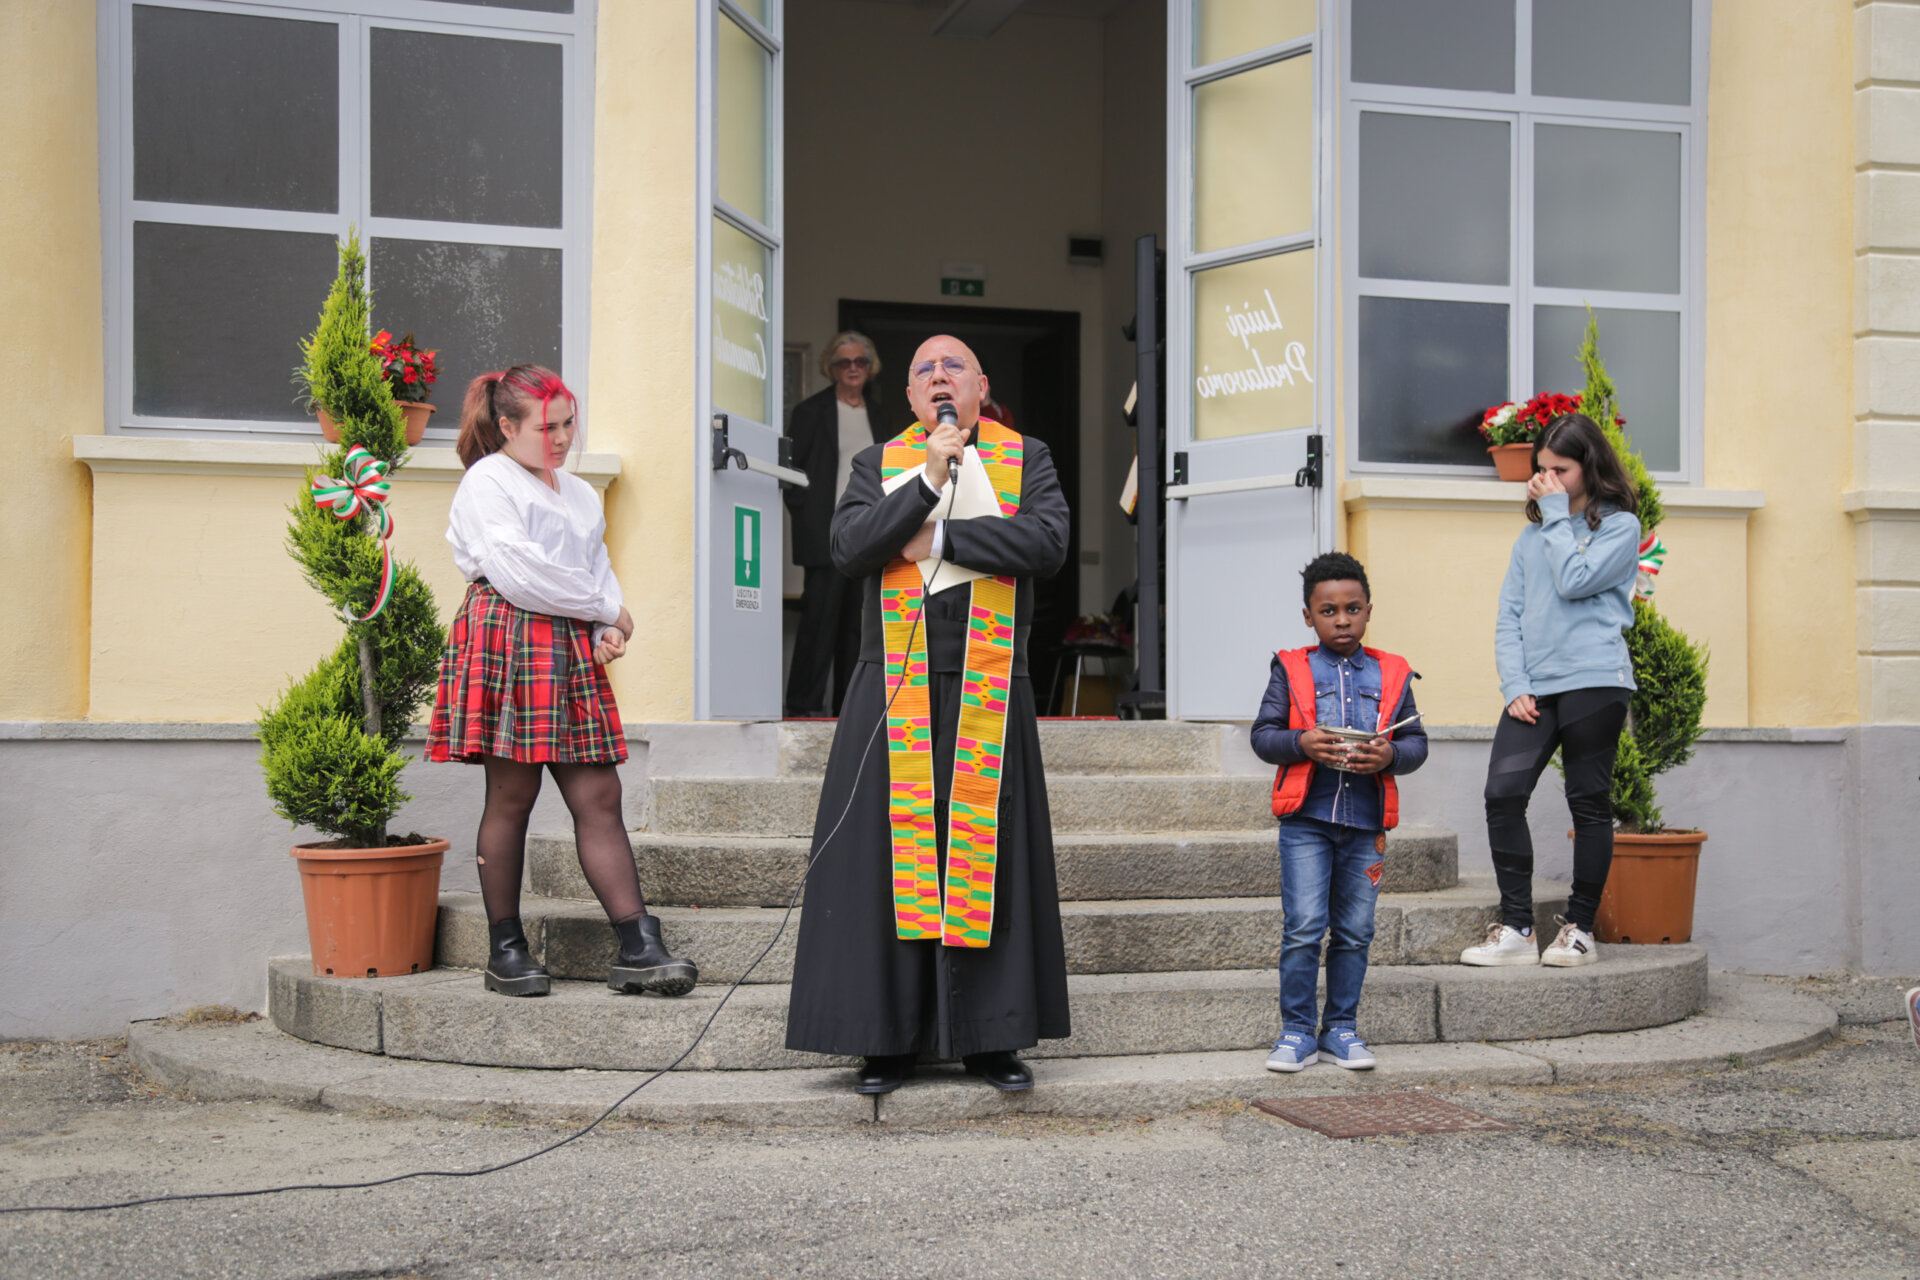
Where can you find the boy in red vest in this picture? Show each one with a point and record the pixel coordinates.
(1336, 800)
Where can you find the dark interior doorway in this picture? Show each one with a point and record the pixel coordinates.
(1032, 359)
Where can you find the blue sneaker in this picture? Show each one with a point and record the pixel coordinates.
(1346, 1048)
(1293, 1051)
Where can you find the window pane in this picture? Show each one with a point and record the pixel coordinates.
(1253, 347)
(1642, 354)
(466, 129)
(1436, 44)
(1606, 209)
(1253, 155)
(755, 9)
(234, 110)
(740, 112)
(218, 318)
(481, 306)
(1434, 198)
(1225, 29)
(1621, 51)
(1428, 370)
(741, 329)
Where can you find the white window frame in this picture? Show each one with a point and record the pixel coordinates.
(1523, 111)
(355, 21)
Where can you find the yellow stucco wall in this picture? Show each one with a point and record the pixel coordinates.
(50, 330)
(1779, 374)
(641, 374)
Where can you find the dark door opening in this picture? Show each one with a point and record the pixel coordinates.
(1032, 359)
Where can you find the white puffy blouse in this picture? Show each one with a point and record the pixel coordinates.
(546, 552)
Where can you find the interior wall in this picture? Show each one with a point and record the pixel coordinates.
(904, 150)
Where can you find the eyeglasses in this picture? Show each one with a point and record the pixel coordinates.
(954, 366)
(850, 362)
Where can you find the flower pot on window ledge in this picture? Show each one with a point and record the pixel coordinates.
(413, 412)
(1512, 461)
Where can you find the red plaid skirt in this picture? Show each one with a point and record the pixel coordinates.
(523, 686)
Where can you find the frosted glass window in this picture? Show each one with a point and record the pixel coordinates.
(1435, 198)
(482, 306)
(1253, 155)
(1428, 371)
(1435, 44)
(755, 9)
(1254, 347)
(742, 327)
(218, 317)
(1225, 29)
(1641, 350)
(235, 110)
(1606, 209)
(740, 114)
(466, 128)
(1618, 51)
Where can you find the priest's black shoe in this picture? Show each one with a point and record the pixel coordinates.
(1002, 1069)
(510, 967)
(643, 963)
(883, 1073)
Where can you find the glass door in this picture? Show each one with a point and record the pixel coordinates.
(738, 507)
(1244, 364)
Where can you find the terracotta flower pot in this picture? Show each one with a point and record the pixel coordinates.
(1649, 893)
(412, 412)
(1512, 461)
(371, 912)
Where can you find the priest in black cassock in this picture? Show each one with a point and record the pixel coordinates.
(932, 918)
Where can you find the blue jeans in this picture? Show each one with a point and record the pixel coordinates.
(1329, 880)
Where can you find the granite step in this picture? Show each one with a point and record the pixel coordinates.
(761, 871)
(446, 1015)
(786, 806)
(1069, 747)
(571, 937)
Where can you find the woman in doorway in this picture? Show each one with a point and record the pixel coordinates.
(523, 682)
(1566, 677)
(827, 429)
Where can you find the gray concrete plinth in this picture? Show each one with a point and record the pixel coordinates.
(1629, 988)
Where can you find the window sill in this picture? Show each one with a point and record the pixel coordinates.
(1881, 504)
(1404, 493)
(264, 458)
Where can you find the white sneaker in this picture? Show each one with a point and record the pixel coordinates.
(1504, 945)
(1572, 945)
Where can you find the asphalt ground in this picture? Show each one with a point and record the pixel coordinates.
(1803, 1168)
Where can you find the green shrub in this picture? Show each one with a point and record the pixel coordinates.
(330, 746)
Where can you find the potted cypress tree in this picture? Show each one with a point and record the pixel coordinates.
(1649, 893)
(330, 745)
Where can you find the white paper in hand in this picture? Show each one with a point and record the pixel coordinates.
(967, 497)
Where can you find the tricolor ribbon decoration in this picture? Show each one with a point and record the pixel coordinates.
(366, 489)
(1653, 554)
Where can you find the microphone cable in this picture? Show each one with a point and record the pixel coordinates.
(792, 901)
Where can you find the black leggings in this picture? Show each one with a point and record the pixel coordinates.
(1585, 725)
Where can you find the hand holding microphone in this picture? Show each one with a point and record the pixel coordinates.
(947, 442)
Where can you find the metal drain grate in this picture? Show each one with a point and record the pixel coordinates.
(1373, 1115)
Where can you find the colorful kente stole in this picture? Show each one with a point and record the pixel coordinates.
(973, 813)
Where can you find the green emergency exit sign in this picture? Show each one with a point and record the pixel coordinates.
(963, 279)
(746, 559)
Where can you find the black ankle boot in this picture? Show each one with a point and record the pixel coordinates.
(510, 967)
(643, 963)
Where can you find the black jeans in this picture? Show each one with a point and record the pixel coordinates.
(1585, 725)
(828, 636)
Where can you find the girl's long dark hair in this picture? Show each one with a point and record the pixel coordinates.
(1575, 437)
(505, 393)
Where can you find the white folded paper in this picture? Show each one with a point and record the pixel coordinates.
(967, 497)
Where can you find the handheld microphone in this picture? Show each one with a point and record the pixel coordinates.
(949, 416)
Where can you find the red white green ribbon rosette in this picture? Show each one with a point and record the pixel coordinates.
(366, 489)
(1653, 554)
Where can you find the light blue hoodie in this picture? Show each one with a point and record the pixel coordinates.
(1567, 598)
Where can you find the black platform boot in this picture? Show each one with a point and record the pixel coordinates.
(643, 963)
(510, 967)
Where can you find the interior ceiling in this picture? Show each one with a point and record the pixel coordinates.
(962, 11)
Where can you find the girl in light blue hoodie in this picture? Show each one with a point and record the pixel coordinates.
(1566, 678)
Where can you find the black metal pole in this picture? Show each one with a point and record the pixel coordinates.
(1147, 357)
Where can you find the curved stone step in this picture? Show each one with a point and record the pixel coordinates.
(1085, 747)
(447, 1016)
(572, 939)
(761, 871)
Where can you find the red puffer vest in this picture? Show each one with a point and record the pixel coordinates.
(1291, 782)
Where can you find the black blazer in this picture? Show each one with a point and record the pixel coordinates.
(872, 525)
(815, 432)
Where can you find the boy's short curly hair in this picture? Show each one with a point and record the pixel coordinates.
(1332, 566)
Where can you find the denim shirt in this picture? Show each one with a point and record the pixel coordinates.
(1346, 695)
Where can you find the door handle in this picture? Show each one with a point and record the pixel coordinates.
(724, 452)
(1307, 477)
